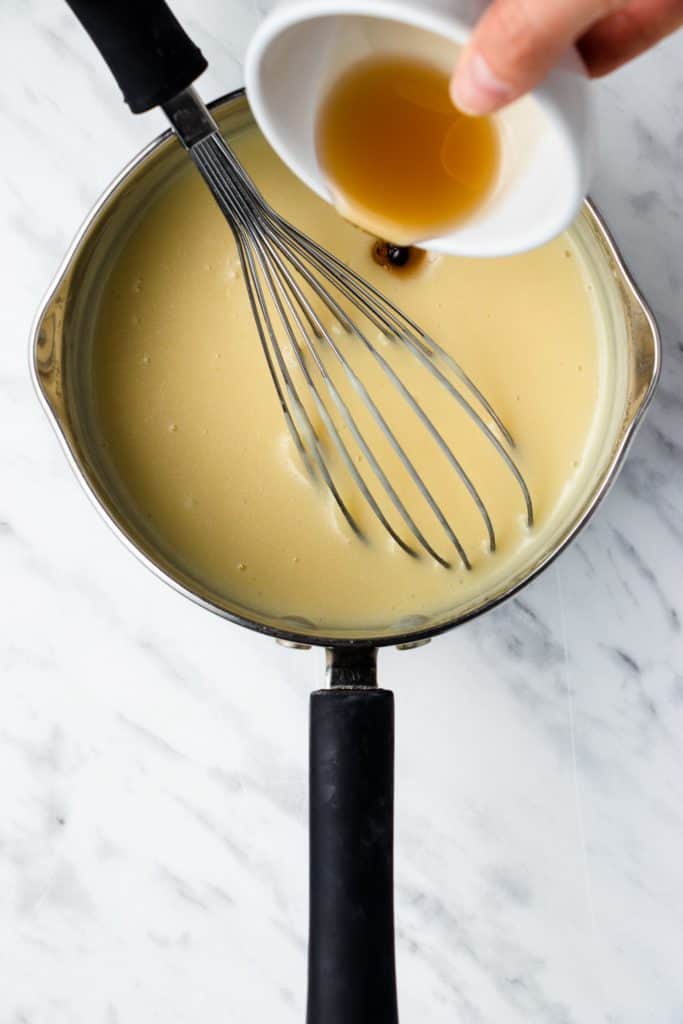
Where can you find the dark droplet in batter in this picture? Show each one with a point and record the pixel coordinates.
(400, 258)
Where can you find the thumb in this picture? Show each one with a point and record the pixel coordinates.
(515, 45)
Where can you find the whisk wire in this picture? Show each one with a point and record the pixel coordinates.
(231, 206)
(334, 433)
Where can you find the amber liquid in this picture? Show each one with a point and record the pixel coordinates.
(399, 158)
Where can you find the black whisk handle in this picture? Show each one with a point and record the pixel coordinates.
(147, 50)
(351, 968)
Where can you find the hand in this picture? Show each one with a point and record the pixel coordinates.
(517, 42)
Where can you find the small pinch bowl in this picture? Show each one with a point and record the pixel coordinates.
(302, 47)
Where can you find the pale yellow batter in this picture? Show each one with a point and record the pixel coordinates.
(189, 419)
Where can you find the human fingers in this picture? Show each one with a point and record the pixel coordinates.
(625, 34)
(515, 45)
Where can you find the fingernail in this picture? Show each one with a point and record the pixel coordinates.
(475, 89)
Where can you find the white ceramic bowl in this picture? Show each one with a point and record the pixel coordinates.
(303, 46)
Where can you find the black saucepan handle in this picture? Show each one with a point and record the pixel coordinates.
(147, 50)
(351, 963)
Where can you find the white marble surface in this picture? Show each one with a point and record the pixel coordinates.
(152, 833)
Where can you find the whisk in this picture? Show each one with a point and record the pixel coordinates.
(284, 272)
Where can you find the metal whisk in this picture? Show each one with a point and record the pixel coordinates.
(282, 269)
(286, 275)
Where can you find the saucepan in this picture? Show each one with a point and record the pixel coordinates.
(351, 972)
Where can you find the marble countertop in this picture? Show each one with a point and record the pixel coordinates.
(153, 838)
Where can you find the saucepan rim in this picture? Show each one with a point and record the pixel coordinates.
(301, 638)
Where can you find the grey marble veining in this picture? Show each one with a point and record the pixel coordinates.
(153, 837)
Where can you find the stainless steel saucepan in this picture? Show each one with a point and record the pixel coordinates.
(351, 938)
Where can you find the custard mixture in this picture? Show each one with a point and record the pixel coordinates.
(189, 423)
